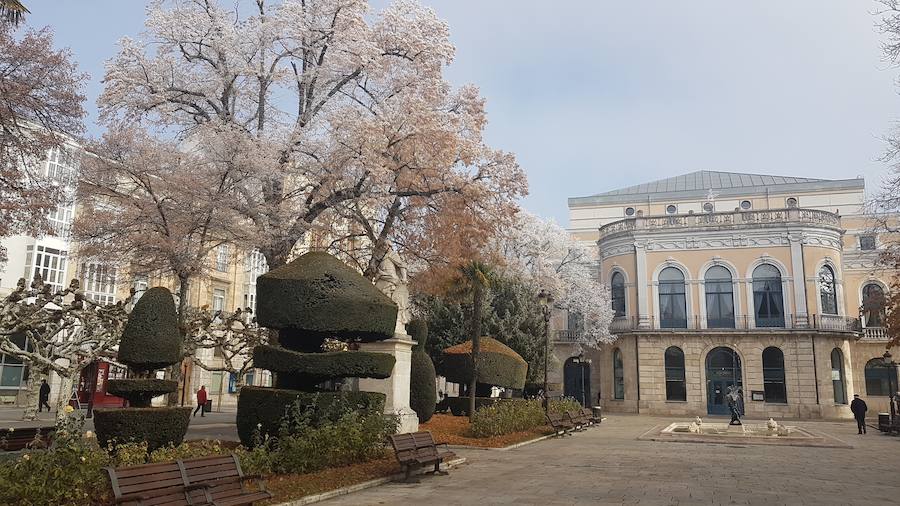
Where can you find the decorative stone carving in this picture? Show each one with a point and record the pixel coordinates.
(392, 279)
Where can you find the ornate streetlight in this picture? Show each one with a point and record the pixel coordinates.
(892, 383)
(545, 298)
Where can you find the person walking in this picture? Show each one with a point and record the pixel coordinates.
(859, 408)
(201, 401)
(44, 396)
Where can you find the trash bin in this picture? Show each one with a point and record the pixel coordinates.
(884, 422)
(207, 408)
(598, 412)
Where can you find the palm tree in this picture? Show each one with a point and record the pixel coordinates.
(12, 11)
(476, 276)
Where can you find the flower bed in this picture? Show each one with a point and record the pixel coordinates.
(455, 430)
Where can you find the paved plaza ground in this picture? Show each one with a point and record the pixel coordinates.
(608, 465)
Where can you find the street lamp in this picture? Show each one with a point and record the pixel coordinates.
(892, 378)
(545, 298)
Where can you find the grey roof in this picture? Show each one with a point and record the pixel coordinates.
(699, 183)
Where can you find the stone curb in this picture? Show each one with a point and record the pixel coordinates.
(310, 499)
(512, 446)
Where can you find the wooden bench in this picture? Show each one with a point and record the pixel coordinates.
(418, 449)
(205, 481)
(560, 423)
(579, 421)
(13, 440)
(589, 414)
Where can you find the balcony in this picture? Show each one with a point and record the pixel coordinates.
(823, 323)
(731, 219)
(874, 335)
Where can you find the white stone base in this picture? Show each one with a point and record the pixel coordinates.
(409, 420)
(395, 388)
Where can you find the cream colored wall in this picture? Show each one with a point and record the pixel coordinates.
(627, 264)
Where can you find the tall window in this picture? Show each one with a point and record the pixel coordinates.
(218, 299)
(768, 301)
(254, 266)
(672, 304)
(867, 242)
(873, 304)
(878, 377)
(618, 375)
(773, 375)
(222, 258)
(50, 263)
(13, 373)
(719, 298)
(827, 292)
(675, 386)
(837, 376)
(62, 169)
(618, 294)
(99, 282)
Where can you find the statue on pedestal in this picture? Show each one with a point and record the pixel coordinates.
(735, 399)
(392, 279)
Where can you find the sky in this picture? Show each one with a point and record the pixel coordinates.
(594, 95)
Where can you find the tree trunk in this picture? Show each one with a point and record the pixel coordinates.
(174, 371)
(477, 302)
(65, 392)
(32, 393)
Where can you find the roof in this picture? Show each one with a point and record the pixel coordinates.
(701, 182)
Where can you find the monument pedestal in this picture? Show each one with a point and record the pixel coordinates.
(395, 388)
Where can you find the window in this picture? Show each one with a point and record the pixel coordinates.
(13, 373)
(575, 322)
(837, 376)
(60, 219)
(867, 242)
(675, 385)
(719, 298)
(746, 204)
(629, 211)
(878, 377)
(672, 303)
(671, 209)
(50, 263)
(254, 266)
(768, 301)
(827, 293)
(709, 207)
(618, 375)
(62, 166)
(222, 258)
(99, 282)
(773, 375)
(791, 202)
(618, 294)
(873, 304)
(218, 299)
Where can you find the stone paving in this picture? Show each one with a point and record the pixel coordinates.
(608, 465)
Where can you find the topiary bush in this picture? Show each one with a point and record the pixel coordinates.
(305, 370)
(459, 406)
(151, 339)
(140, 391)
(422, 379)
(498, 364)
(157, 427)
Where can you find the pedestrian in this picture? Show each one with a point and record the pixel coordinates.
(44, 396)
(859, 408)
(201, 401)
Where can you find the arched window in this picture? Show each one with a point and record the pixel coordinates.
(827, 292)
(873, 303)
(773, 375)
(672, 304)
(719, 298)
(768, 301)
(675, 386)
(618, 294)
(837, 376)
(618, 375)
(878, 377)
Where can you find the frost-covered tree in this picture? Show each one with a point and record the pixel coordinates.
(234, 335)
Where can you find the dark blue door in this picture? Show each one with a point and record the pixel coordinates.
(723, 369)
(577, 381)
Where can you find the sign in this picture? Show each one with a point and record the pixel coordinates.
(757, 395)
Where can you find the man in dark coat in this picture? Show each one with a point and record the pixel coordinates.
(858, 407)
(44, 396)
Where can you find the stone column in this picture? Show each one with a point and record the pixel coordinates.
(395, 388)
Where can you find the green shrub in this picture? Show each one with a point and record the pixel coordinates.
(563, 405)
(498, 364)
(140, 391)
(158, 427)
(262, 409)
(323, 296)
(151, 339)
(459, 406)
(422, 378)
(505, 417)
(303, 371)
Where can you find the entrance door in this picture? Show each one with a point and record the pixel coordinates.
(723, 369)
(577, 380)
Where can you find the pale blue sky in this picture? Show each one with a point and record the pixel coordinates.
(594, 95)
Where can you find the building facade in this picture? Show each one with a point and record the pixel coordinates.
(724, 279)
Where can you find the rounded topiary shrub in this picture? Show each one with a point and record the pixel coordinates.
(261, 409)
(157, 426)
(140, 391)
(422, 380)
(151, 339)
(498, 364)
(303, 371)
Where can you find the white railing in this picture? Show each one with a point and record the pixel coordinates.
(731, 218)
(878, 334)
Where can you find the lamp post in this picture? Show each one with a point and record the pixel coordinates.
(892, 382)
(545, 298)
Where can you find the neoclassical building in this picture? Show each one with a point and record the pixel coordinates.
(719, 279)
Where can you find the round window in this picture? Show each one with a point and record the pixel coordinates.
(671, 209)
(629, 211)
(791, 202)
(708, 207)
(745, 204)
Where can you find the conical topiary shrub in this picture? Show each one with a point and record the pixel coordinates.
(308, 300)
(150, 341)
(422, 380)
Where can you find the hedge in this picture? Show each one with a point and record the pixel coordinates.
(498, 364)
(157, 426)
(321, 295)
(140, 391)
(459, 406)
(305, 370)
(263, 408)
(151, 339)
(422, 380)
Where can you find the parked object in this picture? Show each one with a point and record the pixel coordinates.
(561, 424)
(418, 449)
(13, 440)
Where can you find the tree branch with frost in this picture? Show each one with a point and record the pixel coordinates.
(234, 335)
